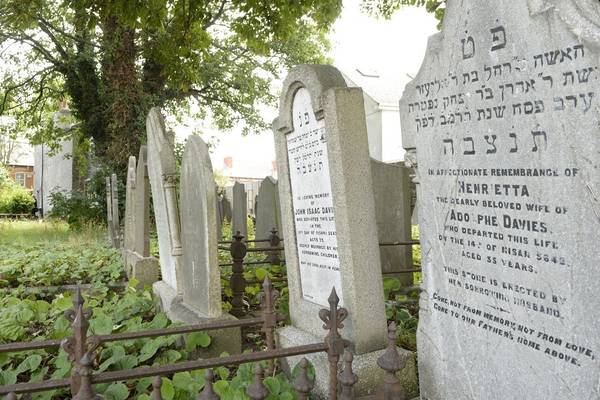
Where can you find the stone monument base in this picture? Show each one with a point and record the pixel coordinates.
(370, 376)
(145, 269)
(222, 340)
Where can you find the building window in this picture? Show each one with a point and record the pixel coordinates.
(20, 178)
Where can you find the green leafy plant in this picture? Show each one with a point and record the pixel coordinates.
(14, 198)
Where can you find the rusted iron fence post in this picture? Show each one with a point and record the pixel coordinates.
(274, 241)
(237, 281)
(258, 390)
(269, 297)
(391, 363)
(302, 384)
(208, 393)
(347, 378)
(333, 319)
(79, 345)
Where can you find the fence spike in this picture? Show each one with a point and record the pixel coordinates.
(208, 393)
(156, 384)
(347, 377)
(302, 384)
(333, 319)
(237, 282)
(257, 391)
(391, 363)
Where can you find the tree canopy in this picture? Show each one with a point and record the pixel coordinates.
(112, 60)
(385, 8)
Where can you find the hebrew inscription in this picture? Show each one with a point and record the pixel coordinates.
(505, 118)
(312, 202)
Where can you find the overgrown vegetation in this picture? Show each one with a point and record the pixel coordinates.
(14, 198)
(26, 316)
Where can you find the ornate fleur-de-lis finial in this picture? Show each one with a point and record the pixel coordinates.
(333, 319)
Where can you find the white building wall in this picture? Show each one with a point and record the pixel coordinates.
(52, 173)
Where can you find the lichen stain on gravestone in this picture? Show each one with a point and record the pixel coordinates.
(501, 125)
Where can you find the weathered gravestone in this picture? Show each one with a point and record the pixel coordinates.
(225, 207)
(136, 249)
(328, 225)
(268, 211)
(110, 226)
(199, 226)
(239, 211)
(116, 220)
(502, 125)
(162, 172)
(392, 192)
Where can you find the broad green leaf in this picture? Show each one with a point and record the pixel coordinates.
(101, 325)
(8, 377)
(29, 364)
(272, 384)
(167, 390)
(195, 340)
(116, 391)
(148, 350)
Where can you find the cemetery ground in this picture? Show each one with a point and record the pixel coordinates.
(40, 260)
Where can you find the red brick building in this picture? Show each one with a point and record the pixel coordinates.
(22, 174)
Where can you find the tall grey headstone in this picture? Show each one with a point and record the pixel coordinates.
(239, 210)
(268, 210)
(136, 249)
(128, 220)
(392, 192)
(201, 274)
(110, 226)
(329, 227)
(501, 124)
(116, 220)
(141, 214)
(162, 172)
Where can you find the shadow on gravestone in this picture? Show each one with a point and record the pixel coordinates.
(162, 173)
(329, 226)
(501, 124)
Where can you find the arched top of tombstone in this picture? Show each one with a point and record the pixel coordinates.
(317, 79)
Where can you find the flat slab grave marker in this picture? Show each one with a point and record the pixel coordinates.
(329, 227)
(504, 119)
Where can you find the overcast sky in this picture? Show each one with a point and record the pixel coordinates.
(392, 48)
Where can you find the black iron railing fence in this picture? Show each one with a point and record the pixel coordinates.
(238, 248)
(83, 350)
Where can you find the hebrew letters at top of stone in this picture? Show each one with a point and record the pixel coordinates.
(504, 116)
(312, 202)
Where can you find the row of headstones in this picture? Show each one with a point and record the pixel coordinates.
(233, 207)
(330, 213)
